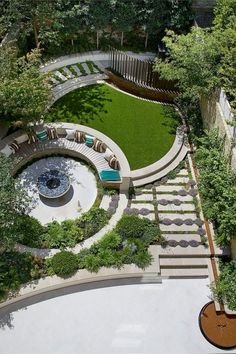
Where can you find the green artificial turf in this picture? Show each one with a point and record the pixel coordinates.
(145, 131)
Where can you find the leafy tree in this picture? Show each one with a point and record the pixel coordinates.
(42, 18)
(13, 203)
(99, 15)
(24, 92)
(124, 17)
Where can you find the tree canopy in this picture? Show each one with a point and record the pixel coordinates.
(24, 92)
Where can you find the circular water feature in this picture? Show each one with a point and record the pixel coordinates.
(53, 184)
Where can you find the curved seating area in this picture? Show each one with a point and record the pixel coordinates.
(63, 142)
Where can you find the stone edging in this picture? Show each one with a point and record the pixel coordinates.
(54, 283)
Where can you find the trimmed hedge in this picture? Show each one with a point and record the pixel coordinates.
(64, 263)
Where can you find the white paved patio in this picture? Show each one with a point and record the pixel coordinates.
(78, 199)
(143, 318)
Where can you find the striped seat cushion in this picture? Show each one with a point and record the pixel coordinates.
(42, 135)
(32, 139)
(14, 146)
(98, 145)
(113, 163)
(79, 137)
(52, 133)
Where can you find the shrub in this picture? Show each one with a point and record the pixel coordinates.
(92, 221)
(61, 235)
(217, 186)
(17, 269)
(143, 258)
(64, 263)
(29, 230)
(225, 288)
(131, 226)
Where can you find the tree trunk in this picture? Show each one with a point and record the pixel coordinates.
(122, 39)
(146, 40)
(36, 37)
(72, 42)
(97, 39)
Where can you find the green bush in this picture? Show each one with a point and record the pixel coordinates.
(64, 263)
(225, 289)
(17, 269)
(92, 221)
(217, 186)
(131, 226)
(61, 235)
(29, 230)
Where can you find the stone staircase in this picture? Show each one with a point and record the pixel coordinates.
(183, 267)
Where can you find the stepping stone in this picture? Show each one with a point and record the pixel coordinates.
(171, 197)
(166, 188)
(183, 217)
(145, 197)
(183, 172)
(182, 228)
(77, 70)
(86, 68)
(54, 81)
(172, 207)
(60, 75)
(68, 73)
(178, 180)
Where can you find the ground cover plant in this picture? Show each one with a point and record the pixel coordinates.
(142, 129)
(127, 243)
(224, 290)
(60, 235)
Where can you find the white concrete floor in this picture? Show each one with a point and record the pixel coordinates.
(144, 318)
(79, 198)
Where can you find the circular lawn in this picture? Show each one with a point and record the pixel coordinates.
(144, 130)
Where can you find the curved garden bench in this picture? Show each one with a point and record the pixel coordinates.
(27, 152)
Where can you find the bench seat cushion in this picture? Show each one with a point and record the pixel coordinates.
(109, 175)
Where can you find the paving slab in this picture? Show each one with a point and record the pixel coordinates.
(77, 70)
(186, 198)
(144, 197)
(68, 73)
(148, 206)
(167, 188)
(178, 180)
(181, 216)
(60, 75)
(181, 207)
(173, 227)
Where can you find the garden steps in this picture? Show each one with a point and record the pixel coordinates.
(179, 237)
(185, 272)
(180, 156)
(180, 267)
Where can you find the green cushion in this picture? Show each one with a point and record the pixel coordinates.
(43, 135)
(109, 175)
(89, 140)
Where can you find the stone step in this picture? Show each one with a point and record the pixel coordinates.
(179, 237)
(165, 171)
(185, 272)
(180, 262)
(181, 216)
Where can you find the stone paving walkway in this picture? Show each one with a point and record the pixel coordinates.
(172, 202)
(77, 70)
